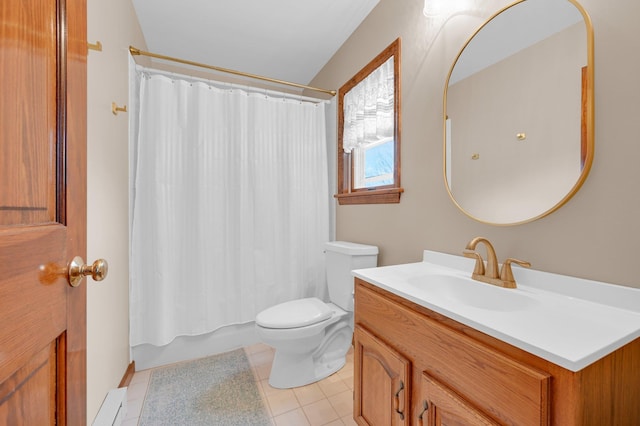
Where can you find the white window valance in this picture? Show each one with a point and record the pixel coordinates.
(369, 109)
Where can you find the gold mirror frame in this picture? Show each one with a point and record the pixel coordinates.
(587, 130)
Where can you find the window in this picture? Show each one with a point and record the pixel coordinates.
(374, 164)
(369, 132)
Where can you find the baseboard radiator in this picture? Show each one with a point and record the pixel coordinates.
(113, 408)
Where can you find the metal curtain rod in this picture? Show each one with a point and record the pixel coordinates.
(135, 51)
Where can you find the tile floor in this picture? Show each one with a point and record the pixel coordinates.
(328, 402)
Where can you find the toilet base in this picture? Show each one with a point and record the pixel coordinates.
(290, 370)
(292, 373)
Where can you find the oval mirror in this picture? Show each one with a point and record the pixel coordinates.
(519, 113)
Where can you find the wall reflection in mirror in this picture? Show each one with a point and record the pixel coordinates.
(519, 113)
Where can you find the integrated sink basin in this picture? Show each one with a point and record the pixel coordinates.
(473, 293)
(569, 321)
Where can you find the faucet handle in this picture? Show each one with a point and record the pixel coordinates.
(506, 274)
(479, 267)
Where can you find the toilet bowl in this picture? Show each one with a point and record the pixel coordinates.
(307, 349)
(312, 337)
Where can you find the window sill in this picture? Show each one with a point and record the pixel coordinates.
(376, 196)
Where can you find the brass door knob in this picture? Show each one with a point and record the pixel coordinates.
(78, 269)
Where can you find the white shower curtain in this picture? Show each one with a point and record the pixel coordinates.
(230, 206)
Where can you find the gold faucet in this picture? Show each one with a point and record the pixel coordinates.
(490, 273)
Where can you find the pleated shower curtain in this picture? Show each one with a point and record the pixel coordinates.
(230, 206)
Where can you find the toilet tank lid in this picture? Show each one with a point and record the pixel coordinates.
(346, 247)
(295, 313)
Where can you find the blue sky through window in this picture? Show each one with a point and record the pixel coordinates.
(379, 161)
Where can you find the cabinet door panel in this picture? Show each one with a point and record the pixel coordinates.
(382, 377)
(446, 408)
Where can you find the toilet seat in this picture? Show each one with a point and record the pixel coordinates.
(295, 314)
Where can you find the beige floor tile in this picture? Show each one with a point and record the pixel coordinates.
(264, 398)
(332, 385)
(282, 401)
(308, 394)
(342, 403)
(134, 408)
(256, 377)
(347, 370)
(347, 379)
(263, 371)
(258, 347)
(348, 365)
(348, 384)
(130, 422)
(267, 388)
(292, 418)
(335, 377)
(140, 376)
(348, 421)
(320, 413)
(137, 390)
(337, 422)
(262, 358)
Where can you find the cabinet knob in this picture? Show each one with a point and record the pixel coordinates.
(425, 407)
(397, 397)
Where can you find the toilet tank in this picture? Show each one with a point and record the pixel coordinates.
(341, 257)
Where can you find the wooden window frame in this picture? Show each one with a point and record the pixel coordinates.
(384, 194)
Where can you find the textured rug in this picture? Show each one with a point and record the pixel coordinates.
(217, 390)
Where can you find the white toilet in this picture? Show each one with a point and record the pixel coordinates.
(312, 337)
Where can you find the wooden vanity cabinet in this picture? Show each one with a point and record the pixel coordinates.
(381, 370)
(386, 376)
(413, 366)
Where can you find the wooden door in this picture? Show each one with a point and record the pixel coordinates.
(43, 54)
(443, 407)
(382, 382)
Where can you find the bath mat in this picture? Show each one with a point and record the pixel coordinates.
(217, 390)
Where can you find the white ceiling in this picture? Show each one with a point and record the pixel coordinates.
(285, 39)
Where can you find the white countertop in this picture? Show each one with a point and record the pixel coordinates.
(573, 322)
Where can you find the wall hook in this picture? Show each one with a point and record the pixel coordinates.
(95, 46)
(521, 136)
(115, 108)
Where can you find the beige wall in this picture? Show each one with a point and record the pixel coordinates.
(593, 235)
(115, 24)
